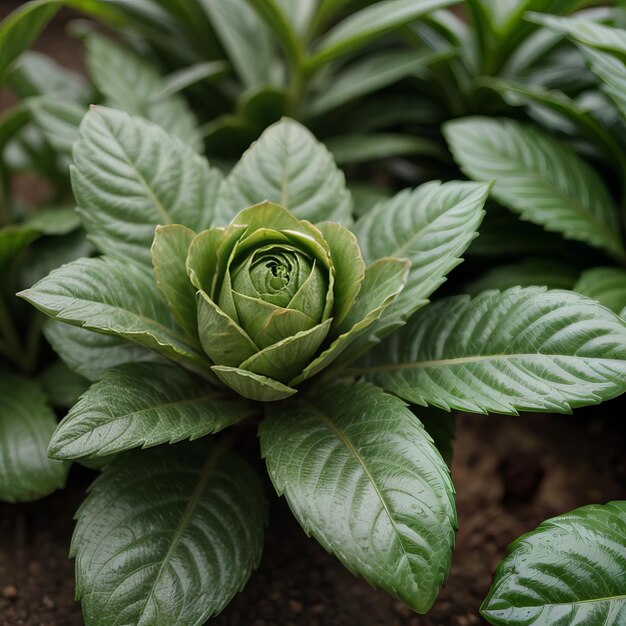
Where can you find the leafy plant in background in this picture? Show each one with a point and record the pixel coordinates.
(540, 177)
(260, 299)
(33, 240)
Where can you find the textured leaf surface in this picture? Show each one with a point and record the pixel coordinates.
(91, 354)
(362, 476)
(607, 285)
(169, 257)
(538, 177)
(520, 350)
(131, 84)
(432, 226)
(129, 176)
(289, 167)
(570, 571)
(167, 536)
(116, 298)
(144, 405)
(26, 424)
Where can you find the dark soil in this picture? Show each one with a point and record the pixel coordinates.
(510, 473)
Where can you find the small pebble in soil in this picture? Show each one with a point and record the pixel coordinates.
(9, 592)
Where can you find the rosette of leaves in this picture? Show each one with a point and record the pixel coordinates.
(257, 297)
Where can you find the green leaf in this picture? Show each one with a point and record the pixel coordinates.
(569, 571)
(551, 101)
(13, 239)
(612, 73)
(529, 272)
(62, 386)
(362, 148)
(246, 38)
(120, 186)
(20, 29)
(144, 404)
(110, 296)
(375, 493)
(383, 281)
(37, 74)
(520, 350)
(538, 177)
(26, 424)
(169, 257)
(187, 76)
(287, 166)
(91, 354)
(167, 536)
(607, 285)
(585, 31)
(367, 75)
(58, 119)
(371, 23)
(131, 84)
(432, 226)
(251, 385)
(54, 221)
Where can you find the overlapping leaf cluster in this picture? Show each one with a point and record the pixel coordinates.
(266, 311)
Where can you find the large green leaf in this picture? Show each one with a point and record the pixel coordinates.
(129, 176)
(26, 424)
(288, 166)
(520, 350)
(432, 226)
(607, 285)
(116, 298)
(370, 23)
(167, 536)
(21, 28)
(144, 404)
(538, 177)
(131, 84)
(363, 477)
(246, 38)
(569, 571)
(91, 354)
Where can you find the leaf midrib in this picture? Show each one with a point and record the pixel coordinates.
(348, 444)
(205, 474)
(468, 360)
(155, 200)
(570, 603)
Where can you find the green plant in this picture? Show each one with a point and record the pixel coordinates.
(169, 534)
(565, 170)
